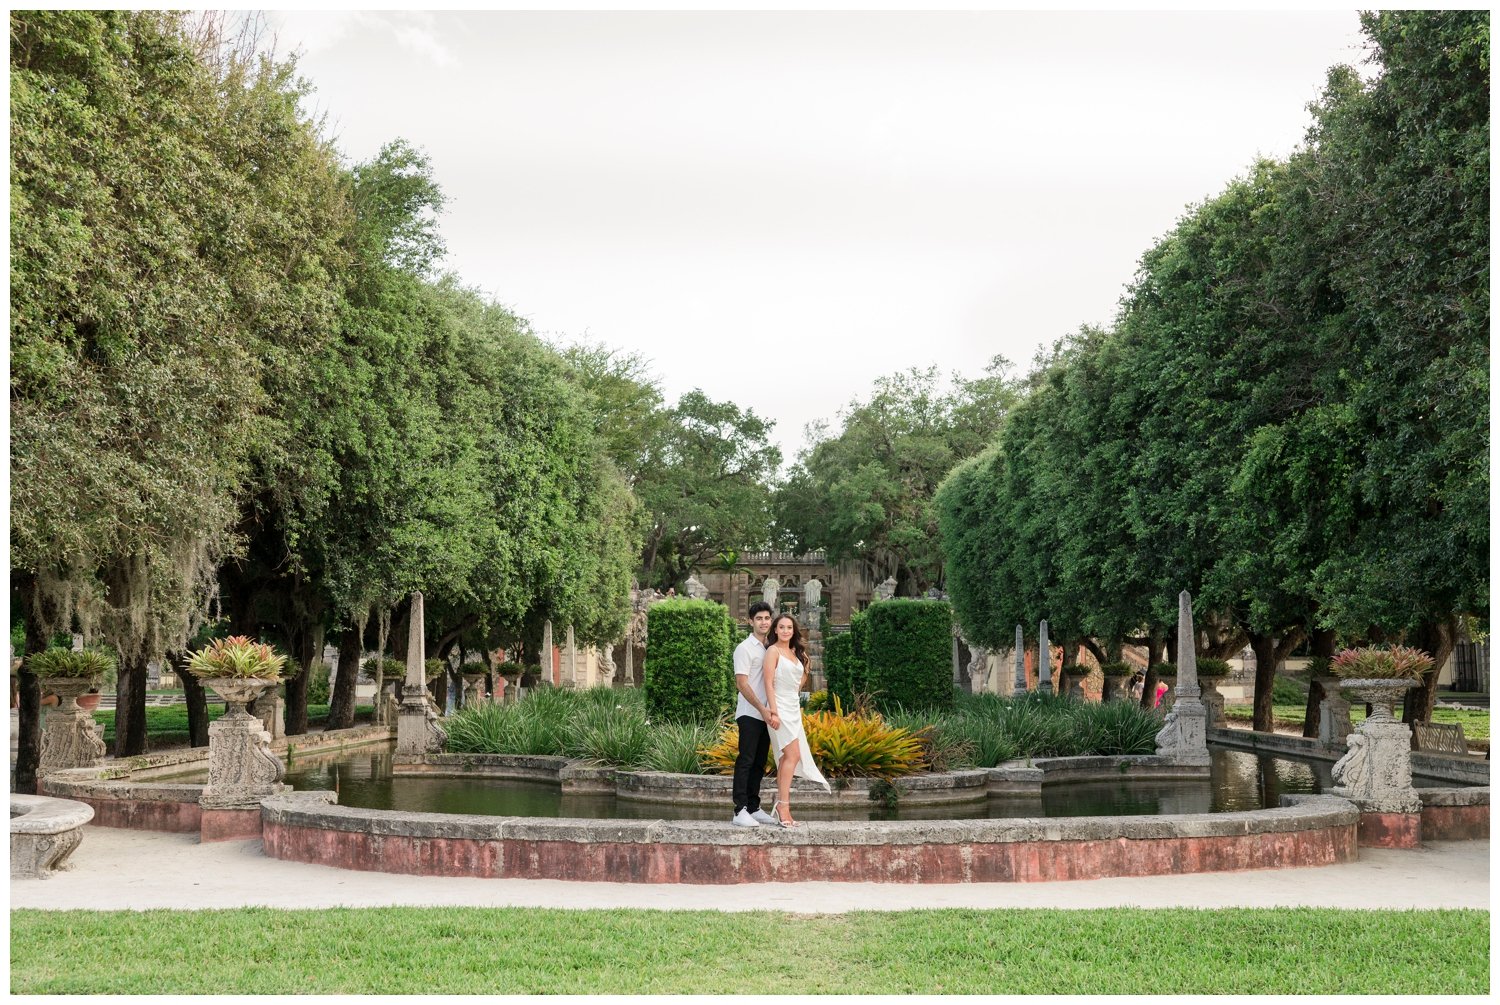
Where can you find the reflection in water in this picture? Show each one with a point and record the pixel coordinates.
(1237, 781)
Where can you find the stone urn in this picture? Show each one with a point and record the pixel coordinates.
(1375, 772)
(241, 768)
(473, 689)
(1212, 699)
(69, 740)
(1334, 724)
(1117, 686)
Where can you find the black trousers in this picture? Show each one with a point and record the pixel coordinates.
(750, 765)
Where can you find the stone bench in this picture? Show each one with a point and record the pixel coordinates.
(1438, 738)
(43, 833)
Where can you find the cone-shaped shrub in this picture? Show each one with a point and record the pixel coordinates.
(688, 672)
(910, 661)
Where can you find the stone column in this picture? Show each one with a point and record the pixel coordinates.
(69, 741)
(1043, 661)
(546, 660)
(1334, 725)
(570, 661)
(417, 729)
(629, 661)
(1020, 657)
(1184, 736)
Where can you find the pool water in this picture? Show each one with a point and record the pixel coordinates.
(1237, 781)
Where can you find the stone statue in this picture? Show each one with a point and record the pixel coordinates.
(1170, 735)
(770, 592)
(979, 669)
(812, 593)
(1351, 773)
(887, 589)
(695, 589)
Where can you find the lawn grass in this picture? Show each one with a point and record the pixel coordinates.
(1476, 723)
(167, 726)
(549, 951)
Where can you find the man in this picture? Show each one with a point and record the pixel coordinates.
(752, 714)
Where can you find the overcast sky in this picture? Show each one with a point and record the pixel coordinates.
(778, 208)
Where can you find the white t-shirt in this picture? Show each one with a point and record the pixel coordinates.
(748, 657)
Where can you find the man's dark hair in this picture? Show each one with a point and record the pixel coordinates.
(758, 606)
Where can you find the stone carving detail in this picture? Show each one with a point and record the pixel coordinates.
(979, 669)
(770, 592)
(1170, 735)
(417, 728)
(69, 740)
(241, 768)
(1020, 658)
(695, 589)
(887, 589)
(1334, 724)
(812, 594)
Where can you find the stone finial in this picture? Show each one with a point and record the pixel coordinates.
(1187, 651)
(887, 589)
(546, 660)
(416, 646)
(1043, 660)
(695, 589)
(417, 728)
(1020, 657)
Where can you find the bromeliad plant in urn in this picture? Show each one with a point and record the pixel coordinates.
(1380, 676)
(241, 768)
(70, 740)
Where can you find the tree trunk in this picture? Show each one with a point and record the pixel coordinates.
(301, 645)
(341, 714)
(1436, 638)
(1171, 644)
(130, 708)
(29, 742)
(197, 701)
(1153, 649)
(1312, 718)
(1265, 681)
(1093, 647)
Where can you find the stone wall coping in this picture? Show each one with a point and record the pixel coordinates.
(1300, 814)
(90, 786)
(1443, 767)
(46, 814)
(1467, 796)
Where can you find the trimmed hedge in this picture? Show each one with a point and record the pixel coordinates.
(838, 664)
(910, 660)
(688, 674)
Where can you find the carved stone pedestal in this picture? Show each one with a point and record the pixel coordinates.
(1212, 700)
(1117, 687)
(69, 741)
(241, 768)
(1376, 771)
(1334, 725)
(473, 689)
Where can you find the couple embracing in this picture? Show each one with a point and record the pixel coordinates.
(769, 669)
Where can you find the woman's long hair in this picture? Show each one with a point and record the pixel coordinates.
(798, 647)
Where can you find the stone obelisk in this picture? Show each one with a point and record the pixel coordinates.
(417, 731)
(1020, 658)
(1043, 661)
(1184, 736)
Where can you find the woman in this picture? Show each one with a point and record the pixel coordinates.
(1137, 686)
(785, 665)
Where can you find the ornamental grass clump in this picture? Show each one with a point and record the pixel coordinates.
(95, 664)
(239, 657)
(674, 747)
(1114, 727)
(606, 733)
(1375, 663)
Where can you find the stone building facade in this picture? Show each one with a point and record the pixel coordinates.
(848, 587)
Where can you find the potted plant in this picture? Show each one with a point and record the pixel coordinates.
(1379, 675)
(238, 668)
(70, 675)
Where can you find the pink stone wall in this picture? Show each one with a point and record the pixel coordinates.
(604, 861)
(1390, 830)
(143, 814)
(1455, 823)
(229, 825)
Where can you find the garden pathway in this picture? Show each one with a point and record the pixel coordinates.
(124, 869)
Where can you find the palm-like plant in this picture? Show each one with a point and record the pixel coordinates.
(237, 656)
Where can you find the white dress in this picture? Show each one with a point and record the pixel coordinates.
(789, 707)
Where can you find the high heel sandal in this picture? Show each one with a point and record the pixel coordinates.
(784, 823)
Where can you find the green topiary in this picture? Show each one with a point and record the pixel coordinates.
(838, 665)
(1165, 670)
(911, 653)
(688, 671)
(1117, 669)
(859, 673)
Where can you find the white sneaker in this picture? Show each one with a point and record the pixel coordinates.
(765, 817)
(744, 819)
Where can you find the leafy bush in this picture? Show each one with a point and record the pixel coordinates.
(859, 673)
(1168, 670)
(1117, 669)
(1209, 666)
(476, 667)
(236, 656)
(911, 653)
(674, 747)
(844, 746)
(317, 683)
(688, 673)
(839, 666)
(1287, 691)
(817, 701)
